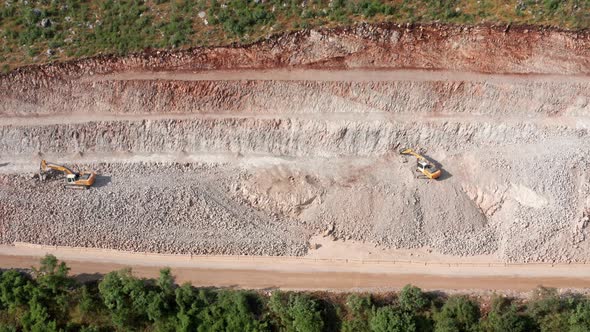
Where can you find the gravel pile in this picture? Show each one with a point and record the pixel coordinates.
(520, 202)
(488, 202)
(168, 208)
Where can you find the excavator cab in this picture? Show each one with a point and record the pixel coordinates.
(70, 178)
(428, 169)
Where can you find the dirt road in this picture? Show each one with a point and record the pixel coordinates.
(349, 75)
(309, 273)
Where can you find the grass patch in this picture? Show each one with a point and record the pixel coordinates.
(37, 31)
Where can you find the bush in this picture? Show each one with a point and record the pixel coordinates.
(359, 309)
(544, 301)
(7, 328)
(232, 311)
(580, 318)
(359, 305)
(390, 319)
(504, 317)
(239, 17)
(412, 299)
(458, 314)
(370, 8)
(300, 314)
(15, 290)
(552, 5)
(125, 297)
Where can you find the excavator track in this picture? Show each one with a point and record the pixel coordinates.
(76, 187)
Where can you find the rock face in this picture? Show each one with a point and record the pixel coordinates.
(279, 137)
(303, 140)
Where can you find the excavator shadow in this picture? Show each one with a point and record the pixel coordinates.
(445, 174)
(4, 164)
(102, 181)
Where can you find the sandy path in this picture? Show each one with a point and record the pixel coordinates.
(76, 118)
(309, 273)
(348, 75)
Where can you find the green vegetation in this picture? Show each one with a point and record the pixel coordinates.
(36, 31)
(48, 299)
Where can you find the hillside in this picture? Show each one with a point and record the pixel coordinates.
(41, 31)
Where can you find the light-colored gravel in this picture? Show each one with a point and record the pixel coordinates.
(170, 208)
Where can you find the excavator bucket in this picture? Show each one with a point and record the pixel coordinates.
(406, 151)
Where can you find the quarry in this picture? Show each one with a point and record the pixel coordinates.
(259, 149)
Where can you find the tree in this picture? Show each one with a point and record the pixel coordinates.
(305, 314)
(412, 299)
(49, 301)
(359, 309)
(15, 289)
(231, 311)
(579, 320)
(300, 314)
(125, 297)
(458, 314)
(161, 300)
(504, 317)
(390, 319)
(190, 304)
(38, 319)
(86, 302)
(548, 310)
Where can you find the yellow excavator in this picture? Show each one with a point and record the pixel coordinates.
(424, 165)
(74, 180)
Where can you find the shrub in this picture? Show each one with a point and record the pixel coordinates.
(458, 314)
(390, 319)
(231, 311)
(504, 317)
(580, 318)
(544, 301)
(359, 309)
(300, 314)
(15, 290)
(412, 299)
(125, 297)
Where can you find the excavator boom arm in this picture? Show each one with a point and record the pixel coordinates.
(45, 165)
(411, 152)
